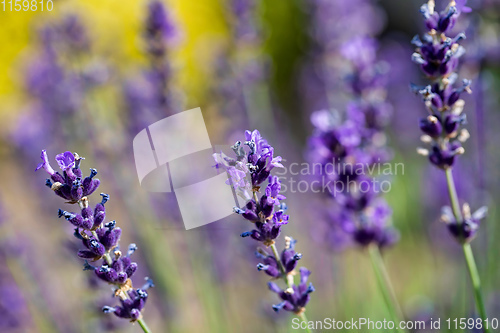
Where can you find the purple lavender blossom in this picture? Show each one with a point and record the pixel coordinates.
(69, 184)
(295, 298)
(466, 228)
(268, 215)
(99, 238)
(148, 96)
(353, 143)
(66, 161)
(358, 210)
(159, 29)
(45, 164)
(132, 304)
(244, 12)
(438, 56)
(334, 23)
(261, 157)
(289, 259)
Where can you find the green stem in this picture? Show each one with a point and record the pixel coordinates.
(143, 325)
(280, 264)
(453, 196)
(476, 283)
(469, 255)
(385, 285)
(303, 317)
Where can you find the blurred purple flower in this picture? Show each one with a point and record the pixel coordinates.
(160, 32)
(351, 145)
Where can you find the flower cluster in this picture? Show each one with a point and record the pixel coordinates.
(355, 144)
(247, 171)
(438, 56)
(159, 29)
(99, 238)
(332, 24)
(148, 96)
(57, 89)
(244, 11)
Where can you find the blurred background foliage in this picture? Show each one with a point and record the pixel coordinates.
(206, 279)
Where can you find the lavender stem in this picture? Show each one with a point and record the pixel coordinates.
(476, 282)
(280, 264)
(385, 285)
(453, 196)
(469, 255)
(143, 325)
(303, 317)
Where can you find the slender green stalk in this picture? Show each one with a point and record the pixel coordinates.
(476, 283)
(143, 325)
(280, 264)
(303, 317)
(385, 285)
(469, 255)
(453, 196)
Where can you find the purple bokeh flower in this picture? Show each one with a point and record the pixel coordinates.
(347, 146)
(336, 28)
(150, 96)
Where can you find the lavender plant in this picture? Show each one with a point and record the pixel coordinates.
(248, 170)
(240, 70)
(149, 97)
(99, 238)
(438, 57)
(344, 54)
(356, 144)
(333, 23)
(57, 92)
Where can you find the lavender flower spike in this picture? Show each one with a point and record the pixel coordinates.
(99, 238)
(267, 213)
(438, 55)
